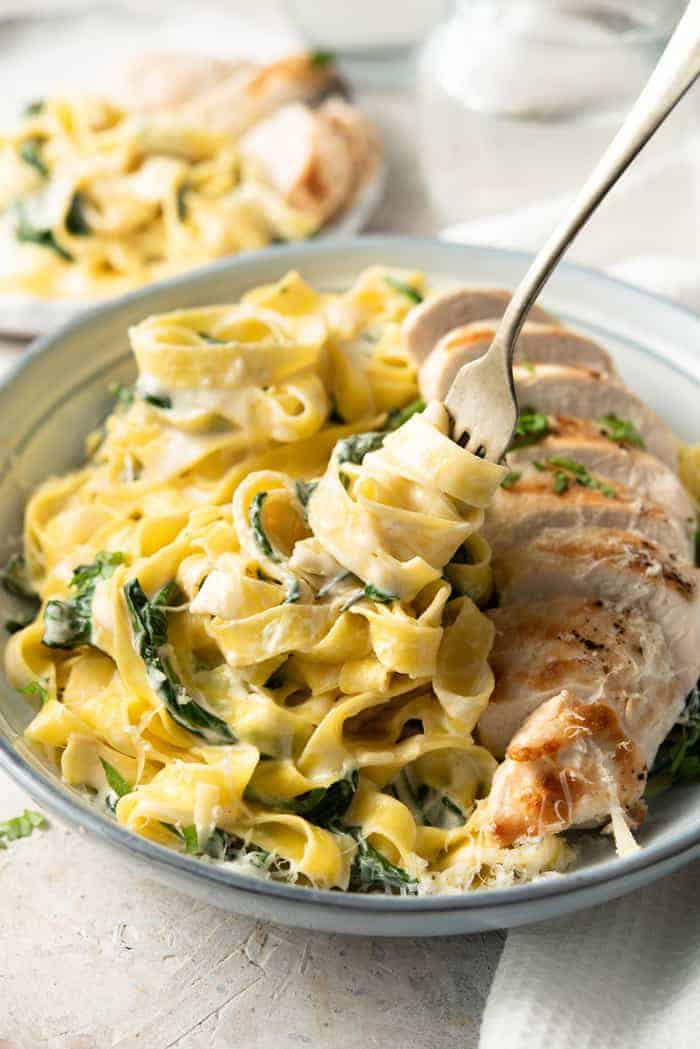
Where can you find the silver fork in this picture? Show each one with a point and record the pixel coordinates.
(481, 400)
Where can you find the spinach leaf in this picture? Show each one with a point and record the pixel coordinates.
(532, 426)
(149, 627)
(404, 289)
(304, 490)
(15, 580)
(20, 826)
(34, 108)
(373, 593)
(259, 533)
(324, 805)
(621, 431)
(181, 202)
(68, 624)
(115, 779)
(30, 152)
(398, 416)
(13, 626)
(697, 547)
(678, 757)
(293, 593)
(35, 688)
(158, 400)
(27, 233)
(370, 871)
(353, 449)
(76, 222)
(212, 339)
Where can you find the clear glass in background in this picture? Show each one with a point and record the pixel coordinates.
(375, 39)
(518, 98)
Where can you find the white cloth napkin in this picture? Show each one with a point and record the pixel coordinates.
(625, 975)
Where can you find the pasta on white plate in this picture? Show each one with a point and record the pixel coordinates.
(259, 638)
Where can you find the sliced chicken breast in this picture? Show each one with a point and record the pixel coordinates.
(537, 343)
(305, 157)
(557, 389)
(442, 313)
(584, 441)
(588, 647)
(532, 503)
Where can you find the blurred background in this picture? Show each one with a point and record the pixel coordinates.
(492, 111)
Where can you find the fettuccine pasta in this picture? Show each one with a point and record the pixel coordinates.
(260, 638)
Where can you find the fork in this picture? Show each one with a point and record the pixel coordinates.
(481, 400)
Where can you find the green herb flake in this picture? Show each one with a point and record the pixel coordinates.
(149, 628)
(620, 431)
(403, 289)
(35, 688)
(181, 202)
(398, 416)
(353, 449)
(511, 478)
(115, 779)
(27, 233)
(527, 365)
(121, 393)
(373, 593)
(532, 426)
(256, 524)
(30, 152)
(571, 470)
(20, 826)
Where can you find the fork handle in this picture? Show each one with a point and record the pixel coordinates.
(677, 69)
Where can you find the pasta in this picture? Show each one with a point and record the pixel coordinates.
(96, 201)
(260, 639)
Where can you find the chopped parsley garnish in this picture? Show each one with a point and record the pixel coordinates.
(528, 365)
(68, 624)
(398, 416)
(403, 288)
(353, 449)
(76, 222)
(621, 431)
(532, 426)
(570, 471)
(511, 478)
(27, 233)
(30, 152)
(373, 593)
(149, 628)
(256, 524)
(20, 826)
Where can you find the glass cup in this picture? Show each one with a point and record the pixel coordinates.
(519, 98)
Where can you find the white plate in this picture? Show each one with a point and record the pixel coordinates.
(59, 392)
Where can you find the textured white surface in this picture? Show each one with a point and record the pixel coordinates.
(93, 955)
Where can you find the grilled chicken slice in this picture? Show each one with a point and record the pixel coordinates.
(612, 566)
(537, 343)
(308, 156)
(442, 313)
(227, 95)
(580, 645)
(532, 503)
(584, 441)
(558, 389)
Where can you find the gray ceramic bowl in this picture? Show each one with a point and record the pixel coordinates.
(60, 391)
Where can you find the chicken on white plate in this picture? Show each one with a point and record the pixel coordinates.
(597, 624)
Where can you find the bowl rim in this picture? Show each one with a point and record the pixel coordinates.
(616, 870)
